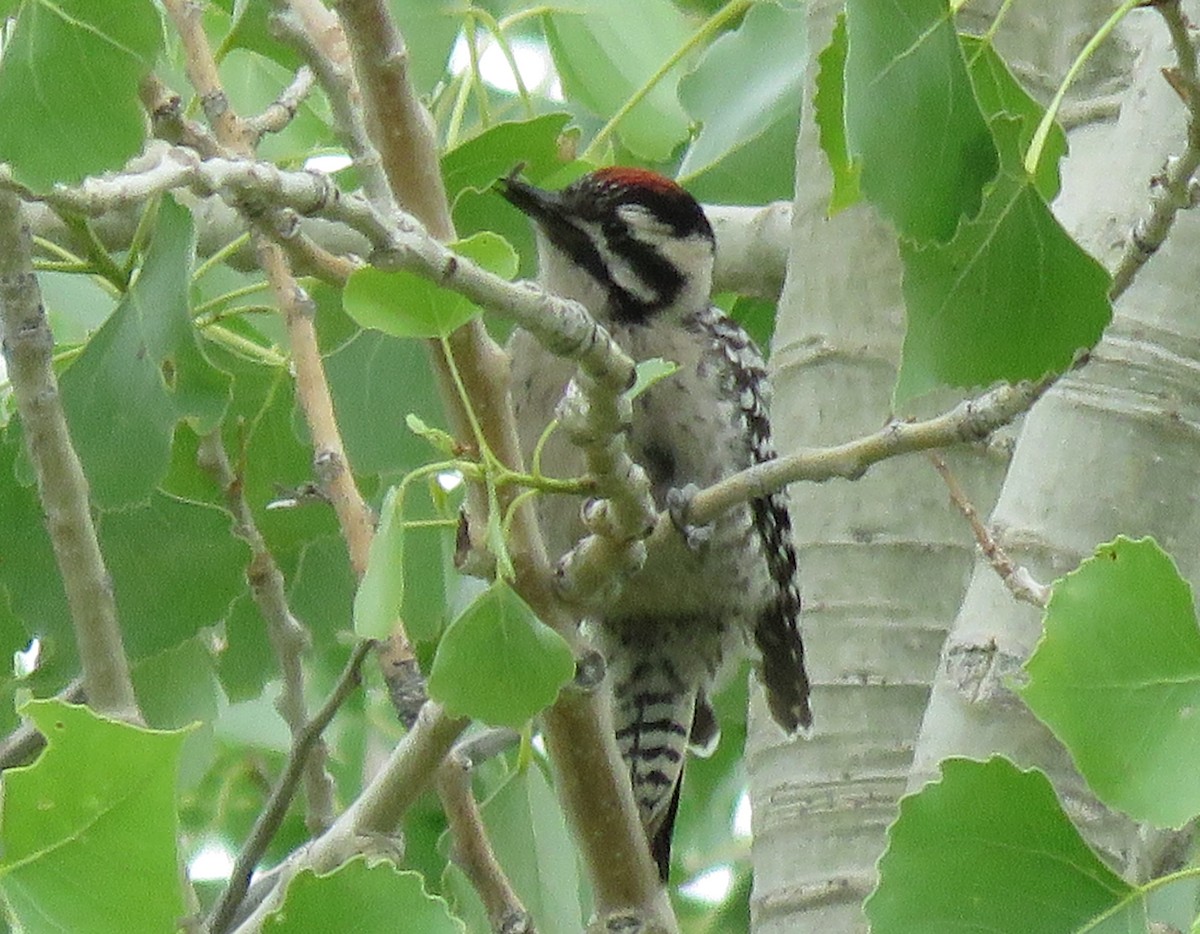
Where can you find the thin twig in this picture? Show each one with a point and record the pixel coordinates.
(28, 347)
(284, 108)
(403, 777)
(1016, 578)
(402, 675)
(317, 34)
(473, 852)
(312, 388)
(303, 742)
(968, 422)
(1175, 189)
(396, 121)
(289, 639)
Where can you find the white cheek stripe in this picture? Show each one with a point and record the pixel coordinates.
(626, 277)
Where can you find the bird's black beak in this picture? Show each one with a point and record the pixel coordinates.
(540, 205)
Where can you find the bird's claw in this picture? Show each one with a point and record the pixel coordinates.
(679, 504)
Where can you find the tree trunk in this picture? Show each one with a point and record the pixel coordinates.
(884, 563)
(1113, 448)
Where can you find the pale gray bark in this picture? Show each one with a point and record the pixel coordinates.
(884, 562)
(1113, 448)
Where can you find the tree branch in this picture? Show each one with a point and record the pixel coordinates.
(1175, 189)
(289, 639)
(749, 260)
(305, 741)
(62, 488)
(377, 811)
(473, 853)
(1016, 578)
(312, 389)
(283, 109)
(604, 818)
(969, 421)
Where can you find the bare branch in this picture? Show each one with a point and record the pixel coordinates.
(62, 488)
(748, 259)
(969, 421)
(304, 741)
(1175, 189)
(1016, 578)
(289, 639)
(329, 453)
(752, 242)
(396, 121)
(317, 35)
(283, 110)
(377, 811)
(473, 853)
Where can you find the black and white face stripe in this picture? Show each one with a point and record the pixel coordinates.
(634, 232)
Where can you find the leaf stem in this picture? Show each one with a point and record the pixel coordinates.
(221, 255)
(233, 295)
(1038, 143)
(702, 36)
(471, 30)
(997, 20)
(106, 266)
(493, 26)
(244, 346)
(1139, 894)
(141, 233)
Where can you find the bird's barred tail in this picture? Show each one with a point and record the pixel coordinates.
(652, 714)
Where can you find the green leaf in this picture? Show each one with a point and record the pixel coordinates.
(376, 381)
(912, 118)
(988, 847)
(101, 791)
(498, 662)
(176, 568)
(429, 29)
(177, 687)
(143, 372)
(754, 174)
(1000, 94)
(403, 304)
(649, 372)
(1116, 677)
(1011, 297)
(478, 162)
(322, 595)
(746, 84)
(829, 103)
(602, 62)
(380, 596)
(68, 87)
(377, 898)
(491, 251)
(29, 574)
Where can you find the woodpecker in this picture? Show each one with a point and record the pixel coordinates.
(636, 250)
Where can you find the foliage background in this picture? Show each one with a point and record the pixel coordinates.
(164, 332)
